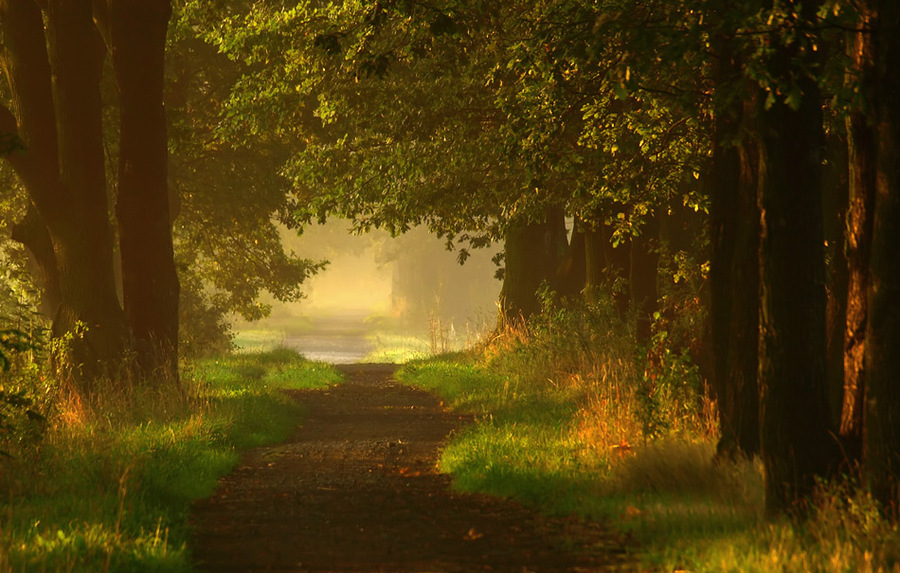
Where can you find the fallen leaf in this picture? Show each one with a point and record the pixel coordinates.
(472, 535)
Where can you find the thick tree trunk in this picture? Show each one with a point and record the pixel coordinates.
(137, 34)
(861, 163)
(63, 169)
(796, 436)
(82, 235)
(882, 359)
(723, 187)
(734, 279)
(743, 334)
(27, 67)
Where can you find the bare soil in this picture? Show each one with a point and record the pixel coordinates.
(356, 489)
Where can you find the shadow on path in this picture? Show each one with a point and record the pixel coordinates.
(356, 489)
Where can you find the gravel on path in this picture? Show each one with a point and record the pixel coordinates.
(356, 489)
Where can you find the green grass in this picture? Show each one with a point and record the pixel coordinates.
(258, 340)
(393, 348)
(110, 486)
(524, 444)
(536, 441)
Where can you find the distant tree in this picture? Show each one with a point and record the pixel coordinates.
(517, 134)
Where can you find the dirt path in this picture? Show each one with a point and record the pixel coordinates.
(355, 489)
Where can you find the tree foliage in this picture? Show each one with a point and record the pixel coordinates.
(492, 120)
(230, 196)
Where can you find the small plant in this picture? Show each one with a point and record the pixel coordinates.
(20, 419)
(671, 394)
(13, 342)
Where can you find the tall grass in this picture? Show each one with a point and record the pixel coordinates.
(109, 485)
(573, 417)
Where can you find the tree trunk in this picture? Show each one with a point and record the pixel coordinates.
(723, 188)
(594, 263)
(743, 334)
(531, 256)
(796, 437)
(882, 360)
(27, 67)
(617, 269)
(734, 266)
(570, 275)
(63, 170)
(137, 35)
(32, 233)
(642, 279)
(83, 236)
(861, 163)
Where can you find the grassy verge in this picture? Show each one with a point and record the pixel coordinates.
(569, 445)
(394, 348)
(109, 486)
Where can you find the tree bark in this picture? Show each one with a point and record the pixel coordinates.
(137, 36)
(796, 438)
(82, 235)
(723, 183)
(743, 334)
(27, 67)
(734, 267)
(835, 204)
(56, 97)
(882, 360)
(861, 163)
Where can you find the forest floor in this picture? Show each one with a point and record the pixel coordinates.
(356, 489)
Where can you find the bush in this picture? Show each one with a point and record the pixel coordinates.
(628, 394)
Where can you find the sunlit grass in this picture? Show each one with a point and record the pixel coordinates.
(110, 486)
(571, 445)
(258, 340)
(393, 348)
(524, 444)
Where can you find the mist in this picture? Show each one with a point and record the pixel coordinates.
(380, 299)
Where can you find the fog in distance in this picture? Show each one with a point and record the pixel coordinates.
(380, 298)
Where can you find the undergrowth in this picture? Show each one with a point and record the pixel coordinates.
(574, 417)
(107, 484)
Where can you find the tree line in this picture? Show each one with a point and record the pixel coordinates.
(746, 148)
